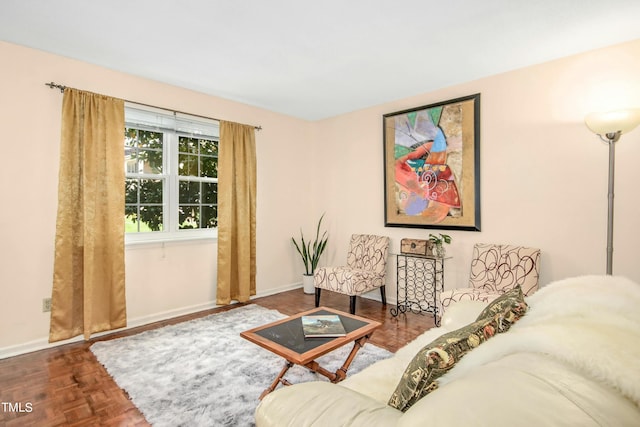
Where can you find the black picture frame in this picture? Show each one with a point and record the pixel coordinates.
(432, 165)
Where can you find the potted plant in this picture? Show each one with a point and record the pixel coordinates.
(438, 244)
(310, 253)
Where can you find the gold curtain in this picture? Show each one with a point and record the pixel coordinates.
(236, 213)
(88, 280)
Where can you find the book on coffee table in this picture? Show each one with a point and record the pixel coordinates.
(322, 326)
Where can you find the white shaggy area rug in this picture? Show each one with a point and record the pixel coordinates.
(202, 373)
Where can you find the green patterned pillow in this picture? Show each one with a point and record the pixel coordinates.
(436, 359)
(508, 307)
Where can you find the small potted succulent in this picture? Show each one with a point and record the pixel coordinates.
(438, 244)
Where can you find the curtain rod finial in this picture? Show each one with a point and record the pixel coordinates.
(55, 85)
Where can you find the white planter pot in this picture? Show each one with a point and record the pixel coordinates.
(307, 284)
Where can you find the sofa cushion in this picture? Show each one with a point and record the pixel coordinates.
(508, 307)
(322, 404)
(437, 358)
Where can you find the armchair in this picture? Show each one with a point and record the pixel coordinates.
(496, 269)
(365, 270)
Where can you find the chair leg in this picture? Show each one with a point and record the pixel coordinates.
(352, 304)
(318, 297)
(383, 295)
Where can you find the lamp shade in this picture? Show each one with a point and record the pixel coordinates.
(613, 121)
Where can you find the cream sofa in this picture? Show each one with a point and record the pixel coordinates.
(572, 360)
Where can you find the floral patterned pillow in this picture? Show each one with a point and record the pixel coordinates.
(509, 307)
(434, 360)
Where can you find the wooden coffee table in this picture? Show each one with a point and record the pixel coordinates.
(286, 339)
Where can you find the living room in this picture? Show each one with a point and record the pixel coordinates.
(543, 181)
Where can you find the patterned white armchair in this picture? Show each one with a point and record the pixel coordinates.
(365, 270)
(496, 269)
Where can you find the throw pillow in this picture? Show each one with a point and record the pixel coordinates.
(434, 360)
(508, 307)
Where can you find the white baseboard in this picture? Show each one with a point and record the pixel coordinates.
(43, 343)
(375, 295)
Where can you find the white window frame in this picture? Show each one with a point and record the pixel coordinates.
(172, 125)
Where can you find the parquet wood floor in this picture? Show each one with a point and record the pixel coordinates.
(66, 386)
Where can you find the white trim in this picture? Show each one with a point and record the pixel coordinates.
(157, 120)
(43, 343)
(158, 237)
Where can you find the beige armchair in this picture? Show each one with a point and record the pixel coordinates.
(496, 269)
(365, 270)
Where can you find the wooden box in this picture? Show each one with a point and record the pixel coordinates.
(416, 247)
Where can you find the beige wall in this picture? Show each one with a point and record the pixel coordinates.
(543, 178)
(543, 173)
(162, 280)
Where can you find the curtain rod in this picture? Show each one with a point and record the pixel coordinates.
(53, 85)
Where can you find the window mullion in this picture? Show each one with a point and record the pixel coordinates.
(171, 195)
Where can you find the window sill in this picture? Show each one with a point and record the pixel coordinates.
(162, 240)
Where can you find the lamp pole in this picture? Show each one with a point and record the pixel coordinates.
(611, 140)
(609, 126)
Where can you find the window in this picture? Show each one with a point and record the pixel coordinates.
(171, 168)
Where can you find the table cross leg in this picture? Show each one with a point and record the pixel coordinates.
(357, 345)
(278, 380)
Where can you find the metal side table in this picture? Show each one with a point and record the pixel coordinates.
(418, 280)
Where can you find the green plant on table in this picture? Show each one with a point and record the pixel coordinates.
(438, 244)
(439, 239)
(311, 251)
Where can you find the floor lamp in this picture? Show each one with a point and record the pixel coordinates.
(609, 126)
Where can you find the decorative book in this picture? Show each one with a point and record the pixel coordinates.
(322, 325)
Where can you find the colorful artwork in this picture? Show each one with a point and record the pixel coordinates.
(432, 166)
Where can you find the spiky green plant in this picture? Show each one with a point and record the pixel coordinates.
(311, 251)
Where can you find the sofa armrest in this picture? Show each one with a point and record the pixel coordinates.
(321, 403)
(462, 313)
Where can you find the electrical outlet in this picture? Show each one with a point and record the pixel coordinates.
(46, 305)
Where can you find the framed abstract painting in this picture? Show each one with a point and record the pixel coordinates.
(432, 165)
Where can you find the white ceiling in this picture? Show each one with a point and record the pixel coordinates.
(320, 58)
